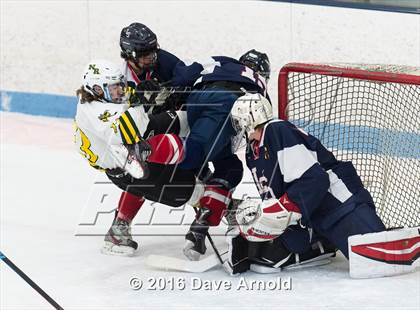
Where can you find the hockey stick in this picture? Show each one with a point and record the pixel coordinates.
(29, 281)
(234, 205)
(216, 251)
(177, 264)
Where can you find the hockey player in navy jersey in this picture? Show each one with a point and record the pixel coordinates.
(300, 183)
(144, 59)
(145, 66)
(216, 84)
(131, 201)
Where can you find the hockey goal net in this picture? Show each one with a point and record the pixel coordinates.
(367, 114)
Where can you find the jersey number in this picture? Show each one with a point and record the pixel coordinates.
(85, 149)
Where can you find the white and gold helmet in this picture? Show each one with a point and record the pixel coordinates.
(100, 77)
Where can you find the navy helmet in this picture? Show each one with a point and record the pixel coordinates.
(257, 61)
(137, 40)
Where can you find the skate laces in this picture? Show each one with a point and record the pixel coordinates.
(122, 229)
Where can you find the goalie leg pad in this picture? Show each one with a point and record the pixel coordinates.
(385, 253)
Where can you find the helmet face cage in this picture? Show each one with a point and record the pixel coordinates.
(241, 122)
(258, 62)
(107, 91)
(239, 140)
(107, 88)
(248, 112)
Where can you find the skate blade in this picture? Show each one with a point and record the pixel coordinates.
(118, 250)
(263, 269)
(317, 261)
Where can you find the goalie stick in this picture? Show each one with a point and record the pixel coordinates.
(177, 264)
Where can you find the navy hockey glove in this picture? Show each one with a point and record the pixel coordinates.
(148, 85)
(145, 93)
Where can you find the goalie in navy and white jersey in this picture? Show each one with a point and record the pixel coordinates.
(301, 183)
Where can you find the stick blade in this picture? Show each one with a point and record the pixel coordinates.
(177, 264)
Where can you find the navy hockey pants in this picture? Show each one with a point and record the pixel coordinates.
(355, 216)
(211, 132)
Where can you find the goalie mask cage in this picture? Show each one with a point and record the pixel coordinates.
(367, 114)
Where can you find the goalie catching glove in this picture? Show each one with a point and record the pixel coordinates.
(266, 220)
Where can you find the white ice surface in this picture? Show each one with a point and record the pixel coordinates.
(44, 189)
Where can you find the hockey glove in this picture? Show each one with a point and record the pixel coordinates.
(266, 220)
(145, 94)
(148, 85)
(177, 98)
(126, 159)
(140, 150)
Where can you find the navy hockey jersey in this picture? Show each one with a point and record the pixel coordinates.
(162, 71)
(288, 160)
(218, 68)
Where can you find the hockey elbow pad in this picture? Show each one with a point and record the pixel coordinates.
(166, 149)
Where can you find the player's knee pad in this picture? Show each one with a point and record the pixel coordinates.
(166, 149)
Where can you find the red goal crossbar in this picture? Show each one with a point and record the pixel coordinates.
(344, 72)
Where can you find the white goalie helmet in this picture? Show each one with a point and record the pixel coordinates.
(249, 111)
(104, 79)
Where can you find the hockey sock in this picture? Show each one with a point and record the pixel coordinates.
(216, 199)
(128, 206)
